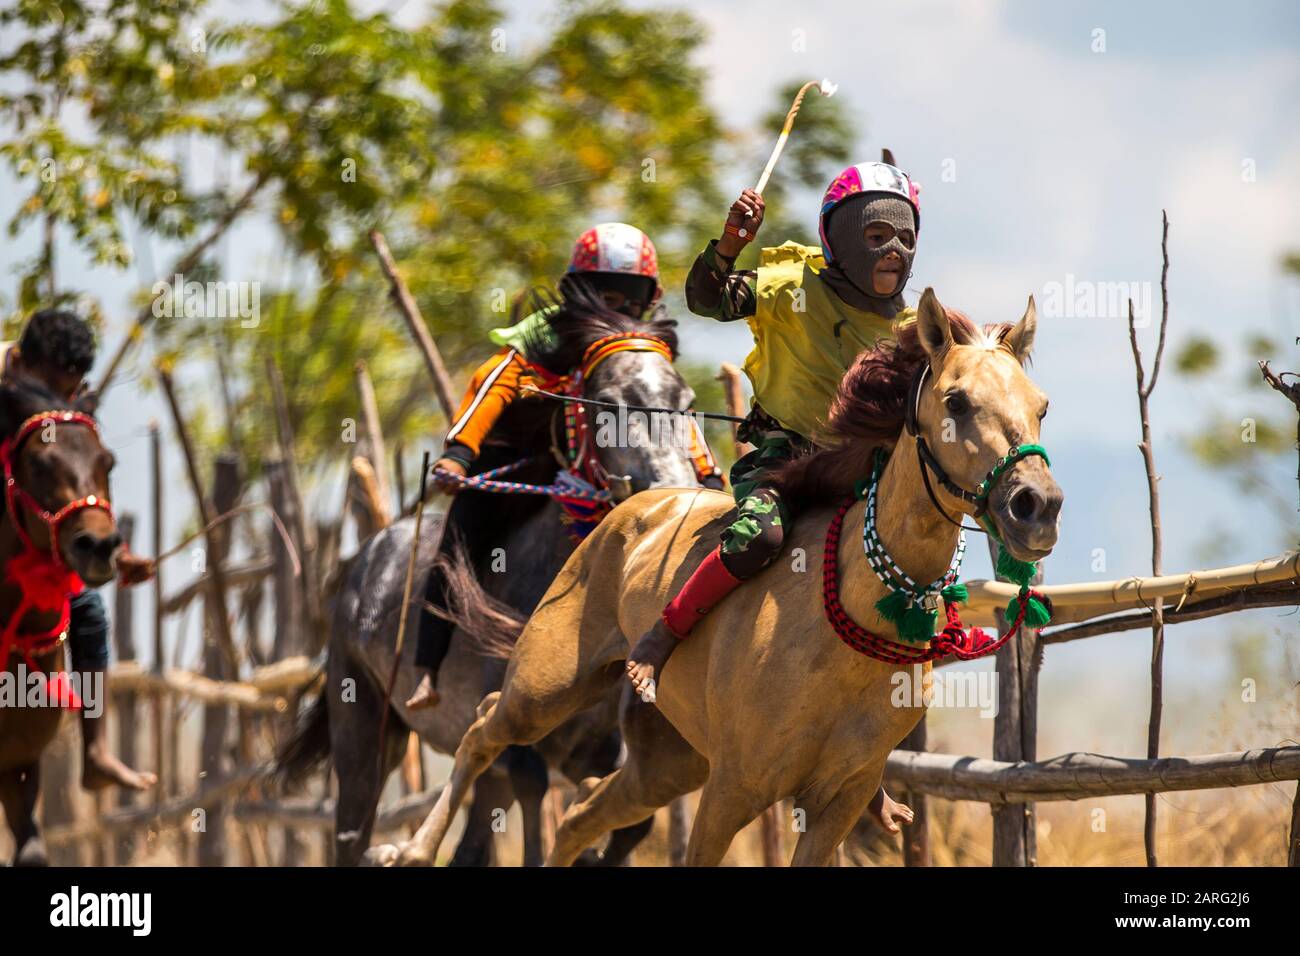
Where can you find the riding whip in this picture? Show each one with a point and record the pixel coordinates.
(406, 604)
(825, 88)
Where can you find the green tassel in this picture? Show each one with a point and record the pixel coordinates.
(917, 625)
(893, 606)
(1035, 613)
(1013, 569)
(912, 621)
(955, 594)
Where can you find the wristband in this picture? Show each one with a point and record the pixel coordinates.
(743, 235)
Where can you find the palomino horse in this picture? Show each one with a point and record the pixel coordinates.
(57, 520)
(763, 702)
(625, 362)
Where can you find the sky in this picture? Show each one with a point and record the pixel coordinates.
(1047, 139)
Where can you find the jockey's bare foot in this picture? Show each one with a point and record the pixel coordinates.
(425, 696)
(887, 812)
(100, 770)
(646, 660)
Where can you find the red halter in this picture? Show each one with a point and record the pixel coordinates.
(581, 449)
(45, 582)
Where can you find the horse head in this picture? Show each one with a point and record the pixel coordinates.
(57, 481)
(627, 364)
(973, 411)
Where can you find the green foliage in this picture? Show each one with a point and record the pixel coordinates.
(479, 159)
(1197, 356)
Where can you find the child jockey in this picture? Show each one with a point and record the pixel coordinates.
(619, 263)
(811, 312)
(56, 350)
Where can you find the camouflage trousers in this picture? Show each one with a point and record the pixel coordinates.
(755, 539)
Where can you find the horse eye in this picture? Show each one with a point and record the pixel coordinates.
(1043, 413)
(957, 404)
(110, 461)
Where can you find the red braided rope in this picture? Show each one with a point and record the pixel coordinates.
(954, 640)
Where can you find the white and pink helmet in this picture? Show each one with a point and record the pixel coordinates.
(867, 178)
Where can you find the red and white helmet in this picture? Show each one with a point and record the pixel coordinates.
(615, 248)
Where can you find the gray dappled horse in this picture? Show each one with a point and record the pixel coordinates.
(365, 612)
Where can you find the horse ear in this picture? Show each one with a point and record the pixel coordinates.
(1020, 340)
(933, 326)
(887, 156)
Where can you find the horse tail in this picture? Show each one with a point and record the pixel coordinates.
(491, 626)
(307, 749)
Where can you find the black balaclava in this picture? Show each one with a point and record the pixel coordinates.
(638, 290)
(849, 272)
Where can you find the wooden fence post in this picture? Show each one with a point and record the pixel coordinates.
(302, 529)
(288, 623)
(127, 725)
(1015, 736)
(916, 836)
(159, 653)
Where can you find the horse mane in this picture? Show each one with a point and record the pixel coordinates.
(578, 317)
(868, 413)
(21, 398)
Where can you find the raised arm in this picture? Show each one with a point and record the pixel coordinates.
(713, 289)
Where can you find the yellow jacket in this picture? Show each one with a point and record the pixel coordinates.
(805, 338)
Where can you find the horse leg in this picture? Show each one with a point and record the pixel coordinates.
(354, 732)
(492, 796)
(510, 716)
(530, 780)
(19, 790)
(830, 825)
(660, 767)
(725, 809)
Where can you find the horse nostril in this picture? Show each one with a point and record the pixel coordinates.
(101, 548)
(1024, 504)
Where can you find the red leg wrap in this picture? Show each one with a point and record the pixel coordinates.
(710, 583)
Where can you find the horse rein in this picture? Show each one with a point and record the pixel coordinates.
(16, 495)
(579, 454)
(979, 498)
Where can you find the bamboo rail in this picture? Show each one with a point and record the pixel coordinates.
(1076, 776)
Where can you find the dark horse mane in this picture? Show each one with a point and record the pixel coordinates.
(867, 413)
(578, 317)
(22, 398)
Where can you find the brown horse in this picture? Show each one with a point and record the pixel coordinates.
(58, 507)
(764, 702)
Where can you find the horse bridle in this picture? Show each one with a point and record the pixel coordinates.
(16, 495)
(580, 450)
(979, 498)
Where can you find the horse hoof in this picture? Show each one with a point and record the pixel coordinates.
(409, 856)
(385, 854)
(32, 854)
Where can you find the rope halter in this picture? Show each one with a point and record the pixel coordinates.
(16, 495)
(979, 498)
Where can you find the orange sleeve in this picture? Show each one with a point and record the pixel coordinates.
(494, 385)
